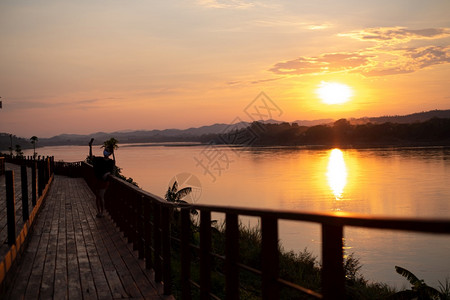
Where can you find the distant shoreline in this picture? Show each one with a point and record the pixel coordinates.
(399, 146)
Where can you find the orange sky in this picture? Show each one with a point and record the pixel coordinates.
(89, 66)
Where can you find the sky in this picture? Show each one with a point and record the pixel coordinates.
(87, 66)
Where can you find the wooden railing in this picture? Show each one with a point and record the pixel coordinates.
(2, 166)
(41, 179)
(146, 221)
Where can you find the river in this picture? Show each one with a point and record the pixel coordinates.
(403, 182)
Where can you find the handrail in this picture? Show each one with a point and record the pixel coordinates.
(146, 220)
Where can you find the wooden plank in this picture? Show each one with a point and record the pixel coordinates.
(73, 272)
(74, 255)
(79, 219)
(116, 250)
(23, 272)
(48, 277)
(60, 282)
(34, 282)
(95, 264)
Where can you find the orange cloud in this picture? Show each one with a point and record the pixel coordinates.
(381, 60)
(408, 61)
(395, 35)
(325, 63)
(239, 4)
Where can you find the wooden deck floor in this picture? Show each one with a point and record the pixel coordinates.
(74, 255)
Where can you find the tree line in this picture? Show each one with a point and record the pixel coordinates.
(435, 131)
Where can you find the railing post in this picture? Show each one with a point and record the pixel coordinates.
(52, 165)
(167, 272)
(148, 233)
(33, 183)
(127, 217)
(131, 219)
(185, 254)
(134, 214)
(231, 257)
(47, 170)
(24, 183)
(205, 257)
(41, 179)
(140, 226)
(333, 275)
(2, 166)
(269, 258)
(157, 240)
(10, 207)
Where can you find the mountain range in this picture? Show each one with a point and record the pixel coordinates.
(199, 134)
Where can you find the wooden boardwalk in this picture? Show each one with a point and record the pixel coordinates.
(74, 255)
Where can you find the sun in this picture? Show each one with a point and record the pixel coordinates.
(334, 93)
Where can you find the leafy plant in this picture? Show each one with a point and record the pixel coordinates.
(445, 289)
(174, 195)
(419, 289)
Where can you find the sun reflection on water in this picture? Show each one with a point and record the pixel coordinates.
(337, 173)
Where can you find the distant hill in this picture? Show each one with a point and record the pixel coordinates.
(203, 133)
(412, 118)
(141, 136)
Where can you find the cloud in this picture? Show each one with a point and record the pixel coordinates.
(325, 63)
(428, 56)
(396, 35)
(286, 23)
(50, 102)
(265, 80)
(87, 101)
(408, 61)
(367, 62)
(236, 4)
(381, 60)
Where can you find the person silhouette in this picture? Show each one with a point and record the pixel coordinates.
(103, 168)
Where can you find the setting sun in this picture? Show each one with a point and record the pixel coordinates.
(334, 93)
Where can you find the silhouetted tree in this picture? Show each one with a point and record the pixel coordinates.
(34, 140)
(19, 152)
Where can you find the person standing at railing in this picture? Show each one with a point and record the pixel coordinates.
(103, 167)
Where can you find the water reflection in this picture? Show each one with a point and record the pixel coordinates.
(337, 173)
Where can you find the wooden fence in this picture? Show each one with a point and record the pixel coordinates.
(2, 166)
(148, 222)
(41, 177)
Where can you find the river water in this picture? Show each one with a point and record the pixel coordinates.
(406, 182)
